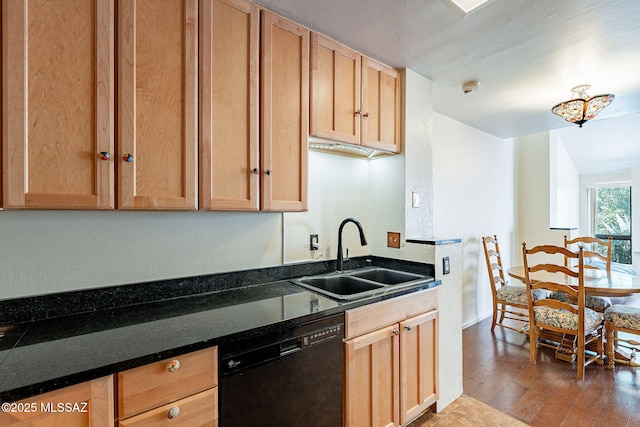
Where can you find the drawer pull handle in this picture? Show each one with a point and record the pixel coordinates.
(173, 413)
(104, 155)
(173, 366)
(396, 332)
(127, 158)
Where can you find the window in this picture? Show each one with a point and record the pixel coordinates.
(611, 217)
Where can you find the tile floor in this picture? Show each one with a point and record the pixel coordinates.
(467, 411)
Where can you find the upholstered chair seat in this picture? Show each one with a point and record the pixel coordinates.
(518, 294)
(560, 318)
(623, 316)
(626, 319)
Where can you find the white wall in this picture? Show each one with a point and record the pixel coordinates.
(339, 187)
(53, 251)
(474, 196)
(533, 202)
(564, 184)
(418, 152)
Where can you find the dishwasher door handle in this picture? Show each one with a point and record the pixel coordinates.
(290, 348)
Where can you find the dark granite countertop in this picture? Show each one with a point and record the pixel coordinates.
(50, 352)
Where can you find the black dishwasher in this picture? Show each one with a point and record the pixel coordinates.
(289, 378)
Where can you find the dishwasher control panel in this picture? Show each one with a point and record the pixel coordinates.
(324, 335)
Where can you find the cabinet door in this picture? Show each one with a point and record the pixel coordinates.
(284, 114)
(418, 365)
(380, 126)
(157, 88)
(372, 379)
(91, 404)
(335, 90)
(229, 133)
(58, 104)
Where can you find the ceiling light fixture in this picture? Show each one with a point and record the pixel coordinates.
(470, 86)
(582, 108)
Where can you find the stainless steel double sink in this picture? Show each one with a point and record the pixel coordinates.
(361, 283)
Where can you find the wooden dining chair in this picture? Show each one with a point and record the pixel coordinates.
(626, 319)
(590, 247)
(559, 316)
(506, 298)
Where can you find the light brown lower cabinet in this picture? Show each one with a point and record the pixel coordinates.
(197, 410)
(391, 360)
(80, 405)
(174, 392)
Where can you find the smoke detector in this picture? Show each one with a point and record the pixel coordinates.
(470, 86)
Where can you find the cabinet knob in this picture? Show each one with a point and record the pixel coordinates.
(127, 158)
(358, 112)
(365, 115)
(104, 155)
(268, 171)
(173, 366)
(173, 412)
(256, 170)
(396, 332)
(408, 327)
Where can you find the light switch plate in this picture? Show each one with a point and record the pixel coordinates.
(446, 266)
(415, 199)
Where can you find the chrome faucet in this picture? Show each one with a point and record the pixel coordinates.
(363, 240)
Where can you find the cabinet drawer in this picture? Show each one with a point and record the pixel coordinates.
(156, 384)
(378, 315)
(198, 410)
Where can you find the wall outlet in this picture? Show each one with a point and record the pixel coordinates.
(314, 243)
(393, 240)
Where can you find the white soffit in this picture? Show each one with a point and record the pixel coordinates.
(465, 7)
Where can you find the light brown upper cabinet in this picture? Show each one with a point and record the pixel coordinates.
(251, 160)
(157, 104)
(284, 114)
(354, 99)
(335, 90)
(58, 74)
(229, 132)
(380, 125)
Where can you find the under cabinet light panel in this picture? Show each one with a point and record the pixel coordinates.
(465, 7)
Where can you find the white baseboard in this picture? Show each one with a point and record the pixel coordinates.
(473, 322)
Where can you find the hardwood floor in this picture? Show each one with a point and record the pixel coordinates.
(497, 372)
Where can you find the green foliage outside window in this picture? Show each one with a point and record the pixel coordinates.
(613, 218)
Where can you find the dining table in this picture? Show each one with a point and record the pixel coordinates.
(596, 283)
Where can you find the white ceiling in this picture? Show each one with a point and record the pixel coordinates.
(526, 54)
